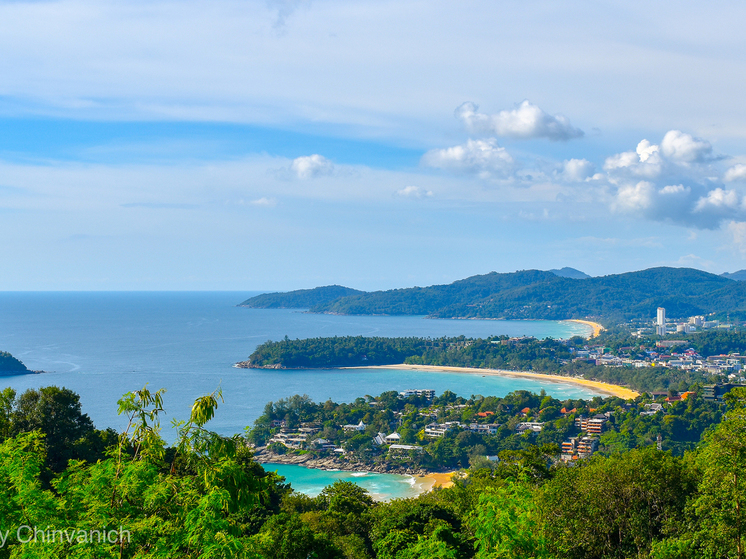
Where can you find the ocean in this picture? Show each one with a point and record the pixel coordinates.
(102, 345)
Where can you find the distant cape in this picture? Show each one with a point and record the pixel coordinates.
(532, 294)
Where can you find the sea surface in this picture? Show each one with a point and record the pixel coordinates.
(102, 345)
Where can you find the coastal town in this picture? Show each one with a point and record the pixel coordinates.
(414, 429)
(671, 353)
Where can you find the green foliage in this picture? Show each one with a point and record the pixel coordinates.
(616, 506)
(507, 523)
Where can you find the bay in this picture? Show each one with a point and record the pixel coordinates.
(380, 486)
(102, 345)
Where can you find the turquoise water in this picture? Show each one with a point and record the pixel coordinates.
(380, 486)
(102, 345)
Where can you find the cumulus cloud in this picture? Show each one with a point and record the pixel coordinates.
(676, 182)
(527, 121)
(736, 173)
(482, 157)
(678, 146)
(311, 166)
(414, 192)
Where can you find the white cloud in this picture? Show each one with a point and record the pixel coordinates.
(311, 166)
(735, 173)
(414, 192)
(577, 170)
(527, 121)
(678, 146)
(482, 157)
(737, 229)
(264, 201)
(637, 198)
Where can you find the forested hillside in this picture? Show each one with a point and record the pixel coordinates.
(533, 294)
(301, 299)
(10, 365)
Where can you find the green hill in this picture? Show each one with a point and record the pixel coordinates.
(533, 294)
(300, 299)
(11, 365)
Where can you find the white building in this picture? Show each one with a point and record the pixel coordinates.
(660, 323)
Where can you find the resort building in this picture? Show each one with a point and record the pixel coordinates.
(426, 392)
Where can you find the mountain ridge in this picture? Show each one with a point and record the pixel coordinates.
(536, 294)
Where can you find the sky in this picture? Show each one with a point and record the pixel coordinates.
(284, 144)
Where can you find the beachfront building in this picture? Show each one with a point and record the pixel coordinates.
(402, 448)
(289, 440)
(428, 393)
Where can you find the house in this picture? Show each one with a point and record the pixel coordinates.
(379, 439)
(398, 448)
(323, 444)
(485, 413)
(533, 426)
(393, 438)
(652, 409)
(484, 429)
(360, 427)
(436, 430)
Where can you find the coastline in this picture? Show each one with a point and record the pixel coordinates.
(430, 481)
(601, 387)
(424, 480)
(595, 325)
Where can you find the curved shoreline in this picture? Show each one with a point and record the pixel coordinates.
(595, 325)
(600, 387)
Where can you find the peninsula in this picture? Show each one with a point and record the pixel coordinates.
(9, 365)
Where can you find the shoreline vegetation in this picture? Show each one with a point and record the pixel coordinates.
(601, 387)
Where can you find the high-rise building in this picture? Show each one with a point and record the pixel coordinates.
(661, 317)
(660, 323)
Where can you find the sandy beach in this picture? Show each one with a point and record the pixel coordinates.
(427, 482)
(595, 325)
(600, 387)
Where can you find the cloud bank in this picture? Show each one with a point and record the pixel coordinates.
(675, 181)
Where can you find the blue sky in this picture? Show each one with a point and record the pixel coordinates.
(282, 144)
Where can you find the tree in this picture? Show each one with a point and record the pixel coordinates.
(721, 504)
(507, 523)
(57, 413)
